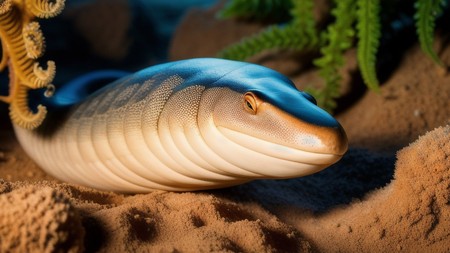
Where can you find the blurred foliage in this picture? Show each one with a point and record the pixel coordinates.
(338, 38)
(257, 9)
(368, 26)
(298, 34)
(427, 12)
(354, 23)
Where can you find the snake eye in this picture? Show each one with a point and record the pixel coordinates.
(250, 103)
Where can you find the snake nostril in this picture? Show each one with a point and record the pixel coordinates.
(309, 97)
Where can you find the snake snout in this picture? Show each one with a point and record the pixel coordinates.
(334, 141)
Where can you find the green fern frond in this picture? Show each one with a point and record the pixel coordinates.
(426, 14)
(368, 26)
(256, 9)
(298, 34)
(303, 18)
(274, 37)
(338, 38)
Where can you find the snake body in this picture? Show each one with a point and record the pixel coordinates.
(187, 125)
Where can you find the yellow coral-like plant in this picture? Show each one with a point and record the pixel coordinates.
(22, 43)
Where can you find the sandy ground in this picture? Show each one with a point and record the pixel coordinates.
(390, 193)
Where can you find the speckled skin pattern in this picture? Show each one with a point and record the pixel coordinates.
(187, 125)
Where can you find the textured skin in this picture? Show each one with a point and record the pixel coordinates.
(185, 126)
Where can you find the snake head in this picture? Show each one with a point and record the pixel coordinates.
(264, 124)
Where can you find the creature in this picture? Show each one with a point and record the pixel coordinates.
(186, 125)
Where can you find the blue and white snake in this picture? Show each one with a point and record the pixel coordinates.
(186, 125)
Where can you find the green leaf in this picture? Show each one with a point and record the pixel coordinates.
(338, 38)
(256, 9)
(303, 18)
(299, 34)
(368, 27)
(426, 13)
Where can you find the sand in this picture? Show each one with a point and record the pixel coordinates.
(411, 214)
(390, 193)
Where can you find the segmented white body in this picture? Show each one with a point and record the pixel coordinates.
(155, 133)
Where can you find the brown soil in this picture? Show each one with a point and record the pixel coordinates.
(353, 206)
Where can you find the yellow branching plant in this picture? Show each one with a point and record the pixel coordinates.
(22, 43)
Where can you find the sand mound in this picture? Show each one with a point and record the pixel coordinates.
(172, 222)
(44, 217)
(411, 214)
(38, 219)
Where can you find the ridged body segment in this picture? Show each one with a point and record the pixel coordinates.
(131, 137)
